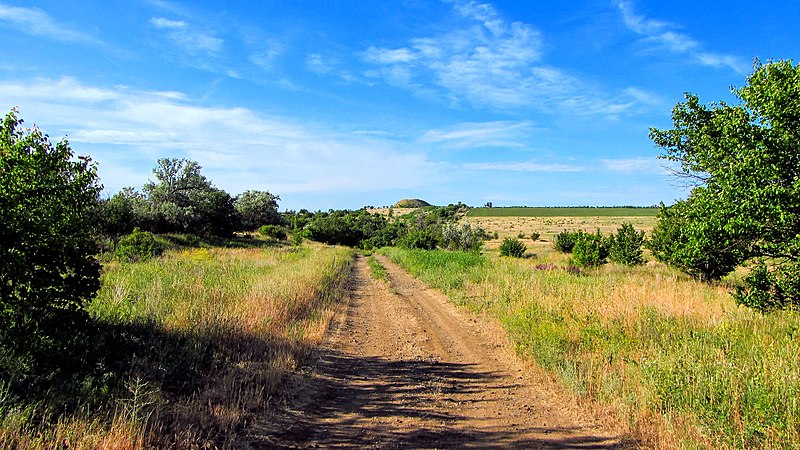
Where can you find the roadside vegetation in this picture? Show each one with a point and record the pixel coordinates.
(674, 359)
(188, 348)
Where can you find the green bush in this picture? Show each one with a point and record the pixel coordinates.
(48, 269)
(590, 250)
(512, 247)
(535, 236)
(625, 247)
(565, 241)
(464, 238)
(273, 231)
(138, 246)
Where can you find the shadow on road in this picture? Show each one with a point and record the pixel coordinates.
(371, 402)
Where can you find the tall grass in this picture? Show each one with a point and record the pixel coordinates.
(204, 337)
(674, 358)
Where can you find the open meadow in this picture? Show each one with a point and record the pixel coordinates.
(673, 359)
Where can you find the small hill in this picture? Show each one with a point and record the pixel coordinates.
(411, 203)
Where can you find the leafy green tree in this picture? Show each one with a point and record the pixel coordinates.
(183, 200)
(685, 238)
(625, 247)
(48, 268)
(746, 163)
(122, 212)
(257, 208)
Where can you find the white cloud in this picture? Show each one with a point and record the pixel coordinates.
(638, 165)
(160, 22)
(664, 35)
(489, 63)
(523, 167)
(65, 89)
(507, 134)
(188, 38)
(265, 58)
(127, 130)
(36, 22)
(318, 64)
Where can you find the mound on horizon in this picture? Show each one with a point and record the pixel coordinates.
(411, 203)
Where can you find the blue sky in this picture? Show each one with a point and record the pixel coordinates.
(342, 104)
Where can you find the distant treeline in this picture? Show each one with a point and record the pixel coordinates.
(565, 211)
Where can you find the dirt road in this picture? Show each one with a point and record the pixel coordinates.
(402, 368)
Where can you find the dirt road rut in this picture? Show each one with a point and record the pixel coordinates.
(402, 368)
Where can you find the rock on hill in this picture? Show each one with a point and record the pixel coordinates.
(411, 203)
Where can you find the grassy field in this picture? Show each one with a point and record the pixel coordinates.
(562, 212)
(208, 335)
(674, 360)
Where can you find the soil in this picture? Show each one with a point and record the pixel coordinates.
(402, 368)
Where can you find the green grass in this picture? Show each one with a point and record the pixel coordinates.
(675, 358)
(562, 212)
(376, 269)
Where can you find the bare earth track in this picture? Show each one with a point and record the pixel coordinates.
(402, 368)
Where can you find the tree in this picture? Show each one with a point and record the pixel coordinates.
(685, 238)
(183, 200)
(48, 269)
(625, 247)
(590, 250)
(745, 161)
(257, 208)
(121, 213)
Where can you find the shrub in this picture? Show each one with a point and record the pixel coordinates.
(521, 236)
(535, 236)
(423, 239)
(273, 231)
(565, 241)
(138, 246)
(590, 250)
(48, 269)
(512, 247)
(626, 246)
(464, 238)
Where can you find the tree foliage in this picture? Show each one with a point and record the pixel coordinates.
(257, 208)
(745, 160)
(625, 247)
(48, 268)
(590, 250)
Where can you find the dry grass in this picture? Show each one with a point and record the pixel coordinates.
(673, 359)
(214, 333)
(548, 227)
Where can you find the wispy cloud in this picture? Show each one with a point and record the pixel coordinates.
(508, 134)
(490, 63)
(267, 56)
(527, 166)
(666, 36)
(640, 165)
(189, 38)
(36, 22)
(239, 148)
